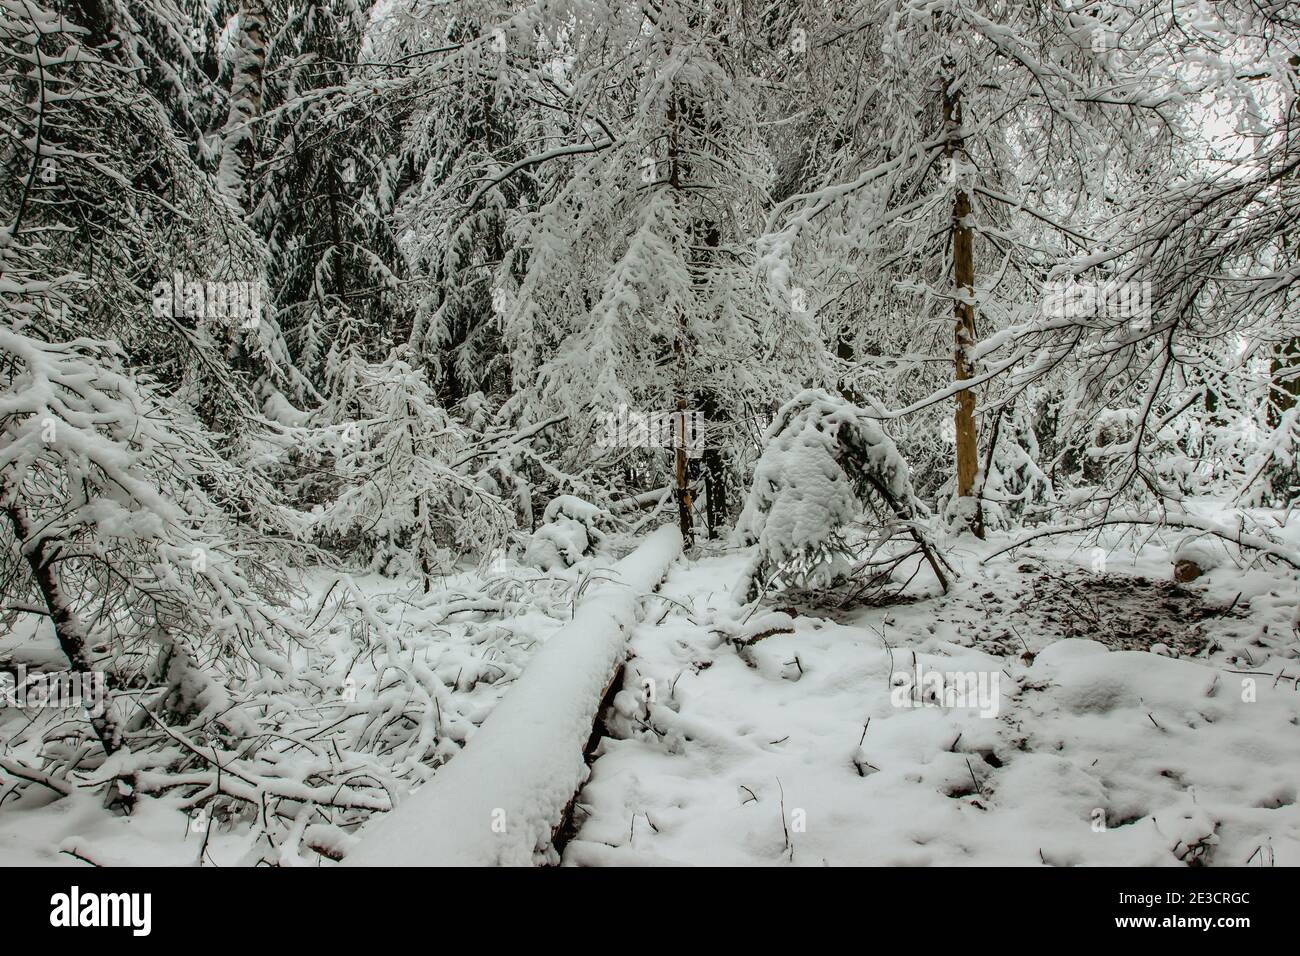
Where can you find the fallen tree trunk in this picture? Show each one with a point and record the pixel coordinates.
(649, 499)
(502, 800)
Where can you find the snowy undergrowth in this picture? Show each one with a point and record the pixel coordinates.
(504, 801)
(391, 684)
(779, 738)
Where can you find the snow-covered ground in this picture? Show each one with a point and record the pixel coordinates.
(796, 747)
(1112, 717)
(410, 705)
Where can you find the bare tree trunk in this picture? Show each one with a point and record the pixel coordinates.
(68, 629)
(963, 274)
(684, 502)
(1284, 376)
(682, 476)
(713, 463)
(238, 141)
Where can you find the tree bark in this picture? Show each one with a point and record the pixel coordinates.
(684, 502)
(717, 506)
(336, 233)
(68, 628)
(963, 274)
(682, 472)
(1285, 381)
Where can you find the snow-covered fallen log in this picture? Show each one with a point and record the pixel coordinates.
(501, 800)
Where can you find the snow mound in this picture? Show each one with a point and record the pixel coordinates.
(1046, 787)
(1069, 649)
(1098, 683)
(571, 529)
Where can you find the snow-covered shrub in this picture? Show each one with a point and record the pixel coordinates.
(571, 529)
(1271, 462)
(403, 492)
(824, 461)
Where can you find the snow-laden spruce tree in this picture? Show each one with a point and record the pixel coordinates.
(399, 492)
(116, 194)
(325, 199)
(639, 286)
(178, 51)
(473, 118)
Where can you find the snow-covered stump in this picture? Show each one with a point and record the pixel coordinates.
(501, 801)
